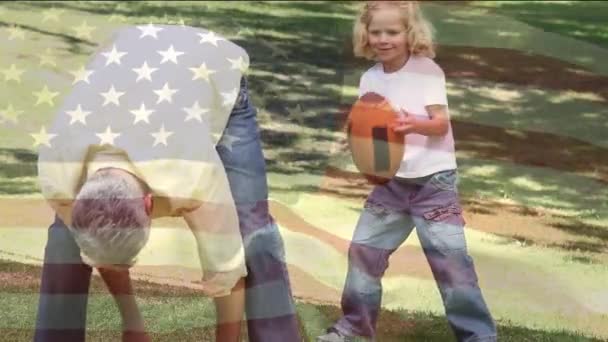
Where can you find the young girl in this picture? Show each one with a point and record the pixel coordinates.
(423, 194)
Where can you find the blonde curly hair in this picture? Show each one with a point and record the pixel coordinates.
(419, 30)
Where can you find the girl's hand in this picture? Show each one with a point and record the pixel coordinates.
(404, 123)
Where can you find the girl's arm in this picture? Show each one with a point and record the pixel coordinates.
(438, 124)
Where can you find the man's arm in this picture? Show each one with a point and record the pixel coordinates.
(220, 246)
(63, 209)
(119, 284)
(229, 310)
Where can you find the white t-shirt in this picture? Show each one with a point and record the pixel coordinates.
(419, 83)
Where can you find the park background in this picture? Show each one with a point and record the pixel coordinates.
(528, 92)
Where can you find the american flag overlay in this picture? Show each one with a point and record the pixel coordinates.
(528, 100)
(160, 93)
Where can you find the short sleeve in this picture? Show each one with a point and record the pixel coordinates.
(364, 85)
(435, 90)
(215, 226)
(218, 238)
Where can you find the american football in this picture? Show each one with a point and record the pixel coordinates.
(376, 150)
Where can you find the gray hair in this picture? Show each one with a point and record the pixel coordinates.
(109, 219)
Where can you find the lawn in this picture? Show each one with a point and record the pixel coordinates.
(191, 318)
(528, 96)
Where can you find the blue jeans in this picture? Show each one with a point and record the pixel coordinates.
(391, 211)
(270, 309)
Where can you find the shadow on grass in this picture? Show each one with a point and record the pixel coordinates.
(579, 232)
(403, 326)
(299, 48)
(479, 194)
(576, 19)
(75, 44)
(17, 155)
(16, 164)
(11, 187)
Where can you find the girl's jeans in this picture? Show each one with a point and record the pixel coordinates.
(430, 204)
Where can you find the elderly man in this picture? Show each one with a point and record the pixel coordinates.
(138, 140)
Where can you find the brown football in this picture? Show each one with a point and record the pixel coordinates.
(376, 150)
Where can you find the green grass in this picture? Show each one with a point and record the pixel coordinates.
(548, 279)
(191, 317)
(581, 20)
(562, 289)
(496, 24)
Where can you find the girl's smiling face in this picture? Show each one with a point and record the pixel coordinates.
(387, 37)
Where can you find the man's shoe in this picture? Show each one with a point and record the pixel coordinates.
(333, 335)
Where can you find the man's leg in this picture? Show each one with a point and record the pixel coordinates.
(271, 314)
(64, 289)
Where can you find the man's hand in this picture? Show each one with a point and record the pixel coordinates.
(118, 281)
(135, 336)
(220, 284)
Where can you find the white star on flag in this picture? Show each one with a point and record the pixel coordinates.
(276, 51)
(170, 55)
(245, 32)
(116, 17)
(42, 138)
(112, 96)
(78, 115)
(165, 94)
(113, 56)
(195, 112)
(144, 72)
(141, 114)
(209, 37)
(83, 31)
(161, 136)
(238, 64)
(16, 32)
(227, 140)
(11, 114)
(201, 72)
(149, 110)
(47, 59)
(107, 137)
(166, 19)
(230, 97)
(45, 96)
(149, 30)
(13, 73)
(81, 74)
(297, 113)
(51, 15)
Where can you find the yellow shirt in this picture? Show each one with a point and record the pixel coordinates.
(218, 239)
(162, 127)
